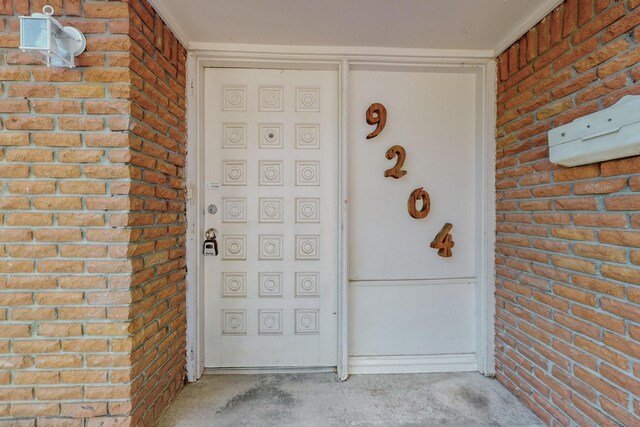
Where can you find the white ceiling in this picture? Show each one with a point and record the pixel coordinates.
(426, 24)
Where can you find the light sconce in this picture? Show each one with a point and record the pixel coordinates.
(44, 37)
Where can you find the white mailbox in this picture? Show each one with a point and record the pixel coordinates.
(605, 135)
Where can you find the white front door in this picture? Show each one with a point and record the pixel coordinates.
(410, 309)
(270, 172)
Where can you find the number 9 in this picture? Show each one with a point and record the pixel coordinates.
(376, 114)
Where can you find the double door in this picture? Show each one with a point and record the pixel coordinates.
(271, 175)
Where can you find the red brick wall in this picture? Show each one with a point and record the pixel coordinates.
(157, 157)
(568, 253)
(92, 214)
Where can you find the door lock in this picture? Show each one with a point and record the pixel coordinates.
(210, 245)
(212, 209)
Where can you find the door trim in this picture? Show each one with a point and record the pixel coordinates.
(413, 364)
(306, 58)
(279, 370)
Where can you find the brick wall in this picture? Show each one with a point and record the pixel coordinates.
(157, 157)
(92, 214)
(568, 253)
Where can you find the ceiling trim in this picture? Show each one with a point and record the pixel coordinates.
(170, 22)
(546, 7)
(338, 51)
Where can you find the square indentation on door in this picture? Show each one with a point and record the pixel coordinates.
(271, 210)
(307, 284)
(271, 98)
(234, 284)
(307, 98)
(234, 98)
(234, 135)
(270, 247)
(307, 322)
(270, 284)
(308, 210)
(234, 209)
(307, 173)
(234, 322)
(270, 322)
(271, 172)
(307, 135)
(308, 247)
(234, 247)
(234, 172)
(271, 135)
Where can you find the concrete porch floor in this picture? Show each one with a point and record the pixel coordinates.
(461, 399)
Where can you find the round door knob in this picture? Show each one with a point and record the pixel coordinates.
(211, 234)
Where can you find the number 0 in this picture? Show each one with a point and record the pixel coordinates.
(416, 195)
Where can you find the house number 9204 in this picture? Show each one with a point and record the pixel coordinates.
(377, 115)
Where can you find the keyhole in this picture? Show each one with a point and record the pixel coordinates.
(271, 135)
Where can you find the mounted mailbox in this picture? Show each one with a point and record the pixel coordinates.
(605, 135)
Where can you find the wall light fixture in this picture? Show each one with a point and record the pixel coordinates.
(46, 39)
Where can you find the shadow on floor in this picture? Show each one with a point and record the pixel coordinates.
(461, 399)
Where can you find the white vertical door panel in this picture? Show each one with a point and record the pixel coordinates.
(404, 298)
(432, 115)
(270, 168)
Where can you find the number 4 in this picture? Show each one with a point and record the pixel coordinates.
(443, 241)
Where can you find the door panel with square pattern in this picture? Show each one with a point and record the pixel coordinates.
(270, 161)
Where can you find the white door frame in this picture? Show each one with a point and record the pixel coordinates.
(341, 59)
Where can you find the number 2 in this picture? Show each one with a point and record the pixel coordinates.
(376, 115)
(396, 171)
